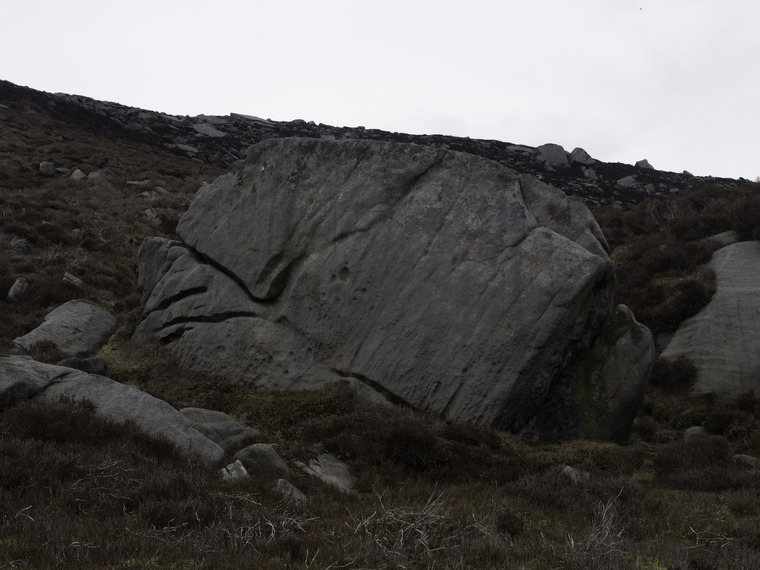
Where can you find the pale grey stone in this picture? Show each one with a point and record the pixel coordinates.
(73, 279)
(627, 181)
(722, 339)
(644, 164)
(235, 471)
(92, 365)
(575, 475)
(76, 327)
(331, 470)
(78, 175)
(18, 289)
(208, 130)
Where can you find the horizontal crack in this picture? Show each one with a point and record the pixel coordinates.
(376, 386)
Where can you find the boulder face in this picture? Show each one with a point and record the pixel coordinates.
(437, 279)
(722, 339)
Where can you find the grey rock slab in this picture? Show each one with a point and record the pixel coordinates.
(47, 169)
(331, 470)
(219, 427)
(103, 175)
(76, 327)
(644, 164)
(262, 459)
(121, 403)
(722, 339)
(208, 130)
(437, 278)
(695, 432)
(78, 175)
(22, 377)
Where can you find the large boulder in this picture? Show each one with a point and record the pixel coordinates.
(76, 328)
(722, 339)
(24, 378)
(438, 279)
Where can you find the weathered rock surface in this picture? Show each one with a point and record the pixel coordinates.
(219, 427)
(262, 459)
(22, 377)
(722, 340)
(439, 279)
(76, 328)
(331, 470)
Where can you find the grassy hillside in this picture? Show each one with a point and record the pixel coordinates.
(77, 491)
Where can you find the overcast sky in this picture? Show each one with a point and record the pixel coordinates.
(673, 81)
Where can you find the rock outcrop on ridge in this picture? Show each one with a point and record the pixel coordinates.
(222, 140)
(722, 339)
(437, 279)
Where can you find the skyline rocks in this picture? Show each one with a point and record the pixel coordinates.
(223, 140)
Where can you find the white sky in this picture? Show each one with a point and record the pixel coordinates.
(673, 81)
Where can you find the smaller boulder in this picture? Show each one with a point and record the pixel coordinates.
(234, 471)
(47, 169)
(331, 470)
(553, 155)
(18, 288)
(627, 181)
(695, 432)
(747, 461)
(262, 459)
(103, 175)
(76, 328)
(575, 475)
(644, 164)
(78, 175)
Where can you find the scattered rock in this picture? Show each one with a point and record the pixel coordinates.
(234, 471)
(644, 164)
(289, 492)
(627, 181)
(103, 175)
(18, 244)
(138, 182)
(208, 130)
(747, 460)
(695, 432)
(75, 328)
(47, 169)
(575, 475)
(78, 175)
(262, 459)
(150, 213)
(331, 470)
(220, 428)
(18, 289)
(73, 279)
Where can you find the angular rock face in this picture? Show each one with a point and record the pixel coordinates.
(722, 339)
(436, 278)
